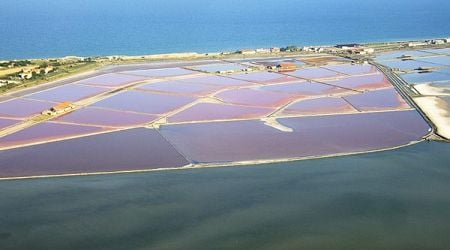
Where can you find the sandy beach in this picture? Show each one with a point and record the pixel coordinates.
(438, 111)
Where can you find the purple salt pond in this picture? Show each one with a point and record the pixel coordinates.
(353, 69)
(304, 88)
(326, 105)
(365, 82)
(439, 60)
(255, 97)
(164, 72)
(22, 108)
(312, 136)
(7, 122)
(104, 117)
(212, 68)
(377, 100)
(46, 131)
(180, 87)
(112, 80)
(263, 77)
(313, 73)
(408, 64)
(69, 92)
(217, 111)
(145, 102)
(135, 149)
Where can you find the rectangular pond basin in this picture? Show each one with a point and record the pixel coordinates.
(222, 81)
(303, 88)
(112, 80)
(439, 60)
(105, 117)
(69, 92)
(46, 131)
(181, 87)
(399, 54)
(353, 69)
(218, 111)
(145, 102)
(22, 108)
(385, 99)
(263, 77)
(164, 72)
(434, 76)
(325, 105)
(361, 83)
(135, 149)
(314, 73)
(445, 51)
(256, 97)
(408, 64)
(4, 122)
(217, 67)
(221, 142)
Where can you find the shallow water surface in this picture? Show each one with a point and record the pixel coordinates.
(389, 200)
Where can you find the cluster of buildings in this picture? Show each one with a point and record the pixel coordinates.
(429, 42)
(59, 109)
(28, 73)
(272, 50)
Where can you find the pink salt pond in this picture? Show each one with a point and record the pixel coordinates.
(264, 77)
(165, 72)
(69, 92)
(313, 73)
(304, 88)
(145, 102)
(255, 97)
(377, 100)
(22, 108)
(104, 117)
(44, 132)
(180, 87)
(127, 150)
(365, 82)
(353, 69)
(217, 111)
(326, 105)
(112, 80)
(219, 142)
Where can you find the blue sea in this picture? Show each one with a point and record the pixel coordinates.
(54, 28)
(397, 199)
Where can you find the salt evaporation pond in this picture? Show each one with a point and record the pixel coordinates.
(222, 142)
(377, 100)
(314, 73)
(44, 132)
(180, 87)
(218, 111)
(361, 83)
(164, 72)
(105, 117)
(353, 69)
(111, 80)
(325, 105)
(69, 92)
(135, 149)
(263, 77)
(304, 88)
(151, 103)
(255, 97)
(22, 108)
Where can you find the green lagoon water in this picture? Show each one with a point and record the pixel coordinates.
(397, 199)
